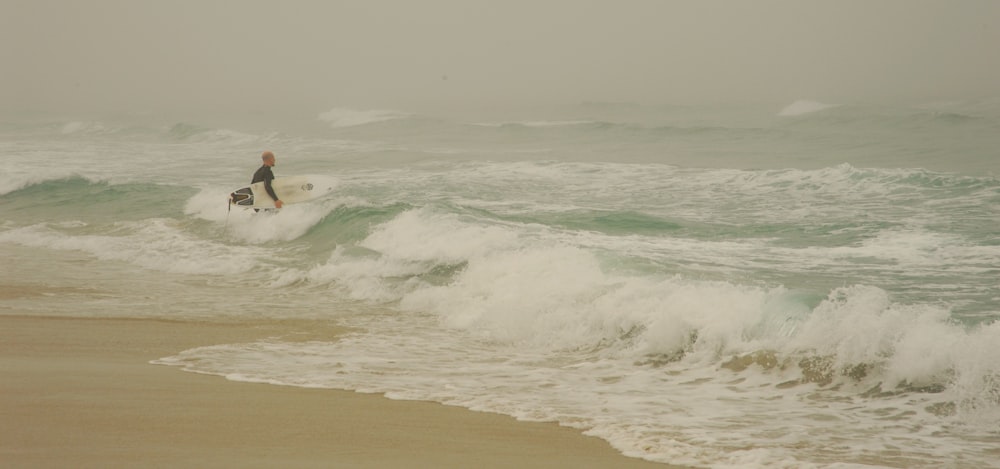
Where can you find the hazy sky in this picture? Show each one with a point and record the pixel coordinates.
(191, 56)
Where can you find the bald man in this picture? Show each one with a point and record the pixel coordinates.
(265, 174)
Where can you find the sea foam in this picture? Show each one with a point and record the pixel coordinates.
(158, 245)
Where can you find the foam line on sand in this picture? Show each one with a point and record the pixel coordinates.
(80, 392)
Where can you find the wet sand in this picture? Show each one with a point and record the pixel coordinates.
(80, 392)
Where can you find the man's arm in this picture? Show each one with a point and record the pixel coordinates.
(270, 190)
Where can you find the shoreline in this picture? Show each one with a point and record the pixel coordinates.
(81, 392)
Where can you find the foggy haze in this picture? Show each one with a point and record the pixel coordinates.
(309, 56)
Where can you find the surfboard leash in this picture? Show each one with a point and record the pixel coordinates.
(229, 209)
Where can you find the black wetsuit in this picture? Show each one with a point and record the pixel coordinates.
(265, 174)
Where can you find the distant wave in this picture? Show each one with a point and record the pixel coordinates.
(621, 128)
(87, 127)
(954, 118)
(564, 123)
(184, 130)
(803, 106)
(920, 119)
(191, 132)
(339, 117)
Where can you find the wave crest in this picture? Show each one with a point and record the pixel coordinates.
(804, 106)
(340, 117)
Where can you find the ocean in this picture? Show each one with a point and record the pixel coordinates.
(747, 285)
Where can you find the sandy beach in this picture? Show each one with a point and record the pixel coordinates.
(80, 392)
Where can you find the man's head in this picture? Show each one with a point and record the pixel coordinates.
(268, 158)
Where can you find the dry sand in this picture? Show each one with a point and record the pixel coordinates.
(79, 392)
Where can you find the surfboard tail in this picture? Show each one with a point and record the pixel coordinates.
(242, 197)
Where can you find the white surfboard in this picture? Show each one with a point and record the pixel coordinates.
(290, 190)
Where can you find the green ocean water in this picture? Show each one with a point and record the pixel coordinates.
(681, 281)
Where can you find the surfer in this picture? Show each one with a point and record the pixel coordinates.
(265, 174)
